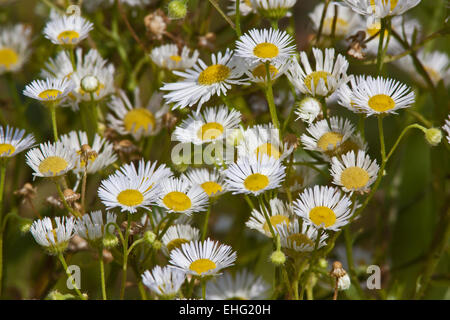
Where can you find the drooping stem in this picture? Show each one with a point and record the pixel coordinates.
(75, 287)
(270, 99)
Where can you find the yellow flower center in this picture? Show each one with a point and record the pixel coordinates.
(393, 3)
(354, 178)
(6, 149)
(50, 94)
(175, 58)
(274, 221)
(260, 71)
(315, 77)
(176, 243)
(268, 149)
(68, 36)
(8, 58)
(300, 239)
(341, 25)
(211, 187)
(139, 118)
(130, 197)
(256, 182)
(375, 27)
(53, 165)
(214, 74)
(266, 50)
(329, 138)
(210, 131)
(202, 265)
(322, 215)
(381, 103)
(177, 201)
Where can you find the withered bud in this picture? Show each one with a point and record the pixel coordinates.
(125, 146)
(87, 153)
(169, 120)
(110, 134)
(156, 24)
(357, 44)
(337, 271)
(207, 41)
(135, 228)
(292, 140)
(71, 196)
(27, 191)
(77, 243)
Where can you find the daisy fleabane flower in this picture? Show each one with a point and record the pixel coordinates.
(354, 172)
(168, 56)
(14, 47)
(165, 282)
(381, 8)
(55, 239)
(376, 96)
(67, 30)
(178, 234)
(346, 20)
(254, 175)
(329, 74)
(180, 196)
(265, 45)
(127, 189)
(278, 212)
(211, 181)
(324, 208)
(211, 125)
(446, 128)
(202, 82)
(92, 227)
(243, 285)
(299, 237)
(13, 141)
(273, 9)
(49, 90)
(202, 258)
(51, 159)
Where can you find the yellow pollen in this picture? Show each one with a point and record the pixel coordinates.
(315, 77)
(329, 138)
(256, 182)
(214, 74)
(300, 239)
(6, 149)
(274, 221)
(52, 165)
(202, 265)
(139, 118)
(130, 197)
(269, 150)
(176, 243)
(322, 215)
(8, 58)
(211, 187)
(260, 71)
(177, 201)
(393, 3)
(266, 50)
(49, 94)
(68, 36)
(381, 103)
(354, 178)
(175, 58)
(210, 131)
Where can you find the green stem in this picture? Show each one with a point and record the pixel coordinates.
(2, 189)
(54, 124)
(125, 258)
(203, 289)
(311, 264)
(238, 18)
(270, 100)
(64, 264)
(380, 54)
(322, 20)
(249, 202)
(205, 224)
(227, 19)
(381, 135)
(415, 125)
(102, 273)
(266, 216)
(350, 262)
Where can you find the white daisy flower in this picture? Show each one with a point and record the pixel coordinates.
(51, 159)
(168, 56)
(13, 141)
(211, 181)
(178, 234)
(54, 239)
(300, 238)
(308, 109)
(202, 82)
(243, 285)
(381, 96)
(202, 258)
(345, 93)
(254, 175)
(212, 125)
(263, 140)
(91, 226)
(436, 64)
(14, 47)
(165, 282)
(354, 173)
(180, 196)
(323, 208)
(49, 90)
(136, 119)
(346, 21)
(149, 172)
(265, 45)
(273, 9)
(245, 7)
(381, 8)
(67, 30)
(128, 189)
(279, 212)
(104, 151)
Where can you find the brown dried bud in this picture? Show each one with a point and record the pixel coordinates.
(357, 44)
(86, 154)
(292, 140)
(110, 134)
(337, 271)
(28, 192)
(135, 228)
(169, 120)
(71, 196)
(207, 41)
(125, 146)
(156, 24)
(55, 202)
(77, 243)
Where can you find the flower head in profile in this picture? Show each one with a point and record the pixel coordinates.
(13, 141)
(381, 8)
(49, 90)
(168, 56)
(178, 234)
(165, 282)
(67, 30)
(92, 226)
(273, 9)
(296, 237)
(53, 235)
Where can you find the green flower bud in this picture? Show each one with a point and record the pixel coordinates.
(323, 263)
(24, 224)
(157, 245)
(110, 240)
(433, 136)
(177, 9)
(278, 258)
(149, 237)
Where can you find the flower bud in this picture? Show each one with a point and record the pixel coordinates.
(90, 84)
(24, 224)
(433, 136)
(149, 237)
(308, 109)
(157, 245)
(278, 258)
(110, 240)
(177, 9)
